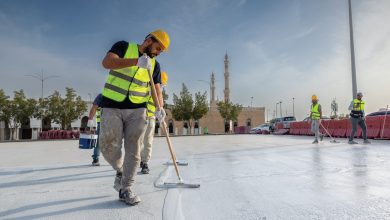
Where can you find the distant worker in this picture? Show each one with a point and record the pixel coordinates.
(125, 96)
(95, 110)
(315, 117)
(358, 118)
(146, 147)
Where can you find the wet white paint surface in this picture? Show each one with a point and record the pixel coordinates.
(241, 177)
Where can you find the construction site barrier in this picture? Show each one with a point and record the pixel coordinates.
(385, 126)
(324, 125)
(373, 124)
(294, 127)
(340, 128)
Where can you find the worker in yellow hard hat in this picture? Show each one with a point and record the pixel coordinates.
(125, 97)
(146, 147)
(315, 118)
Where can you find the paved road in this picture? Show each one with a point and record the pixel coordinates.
(241, 177)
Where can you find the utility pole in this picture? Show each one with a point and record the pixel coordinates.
(353, 68)
(42, 78)
(293, 107)
(276, 110)
(280, 107)
(251, 101)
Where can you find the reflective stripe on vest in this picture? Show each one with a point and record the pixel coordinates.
(358, 105)
(98, 115)
(130, 81)
(315, 114)
(151, 108)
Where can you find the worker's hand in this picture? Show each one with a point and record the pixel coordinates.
(91, 123)
(144, 62)
(160, 114)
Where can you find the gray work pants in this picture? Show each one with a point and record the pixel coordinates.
(146, 149)
(315, 127)
(129, 124)
(362, 123)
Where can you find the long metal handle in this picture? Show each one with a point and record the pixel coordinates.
(173, 156)
(384, 121)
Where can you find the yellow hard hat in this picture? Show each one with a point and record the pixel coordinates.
(162, 37)
(313, 97)
(164, 78)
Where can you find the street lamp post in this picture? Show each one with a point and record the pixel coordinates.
(251, 101)
(293, 107)
(276, 110)
(280, 107)
(42, 78)
(353, 68)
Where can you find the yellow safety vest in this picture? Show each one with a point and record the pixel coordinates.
(151, 108)
(129, 81)
(98, 115)
(315, 114)
(358, 105)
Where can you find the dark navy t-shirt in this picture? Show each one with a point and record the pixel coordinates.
(120, 48)
(98, 100)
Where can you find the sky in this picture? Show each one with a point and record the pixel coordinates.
(278, 50)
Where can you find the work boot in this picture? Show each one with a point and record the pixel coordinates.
(315, 141)
(321, 137)
(352, 142)
(145, 168)
(366, 142)
(117, 182)
(128, 197)
(95, 162)
(141, 164)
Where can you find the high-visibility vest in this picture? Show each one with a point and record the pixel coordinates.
(129, 81)
(358, 105)
(98, 113)
(151, 108)
(315, 114)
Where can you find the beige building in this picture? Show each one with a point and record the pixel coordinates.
(249, 116)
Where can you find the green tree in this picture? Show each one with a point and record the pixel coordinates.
(22, 109)
(228, 110)
(165, 98)
(186, 109)
(65, 110)
(5, 108)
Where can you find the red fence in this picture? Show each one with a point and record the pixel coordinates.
(377, 127)
(59, 134)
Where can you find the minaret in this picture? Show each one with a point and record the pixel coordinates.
(212, 88)
(226, 91)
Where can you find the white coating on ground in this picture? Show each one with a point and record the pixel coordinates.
(241, 177)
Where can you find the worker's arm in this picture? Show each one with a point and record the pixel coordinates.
(351, 106)
(310, 111)
(92, 112)
(113, 61)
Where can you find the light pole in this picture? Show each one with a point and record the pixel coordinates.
(251, 101)
(293, 107)
(280, 107)
(276, 110)
(353, 68)
(42, 78)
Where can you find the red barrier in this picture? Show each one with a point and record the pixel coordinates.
(340, 128)
(294, 127)
(373, 124)
(331, 127)
(358, 133)
(305, 128)
(325, 124)
(279, 125)
(385, 130)
(44, 135)
(76, 134)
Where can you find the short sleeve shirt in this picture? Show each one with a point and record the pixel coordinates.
(120, 48)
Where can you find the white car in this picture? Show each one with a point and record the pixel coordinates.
(258, 129)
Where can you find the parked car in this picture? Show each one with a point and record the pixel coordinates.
(286, 122)
(378, 113)
(259, 129)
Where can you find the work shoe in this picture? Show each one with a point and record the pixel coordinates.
(141, 164)
(321, 137)
(129, 197)
(352, 142)
(117, 182)
(366, 142)
(145, 168)
(315, 141)
(95, 162)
